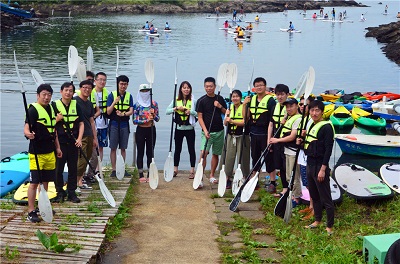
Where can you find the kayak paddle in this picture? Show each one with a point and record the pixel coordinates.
(73, 61)
(81, 70)
(36, 77)
(89, 58)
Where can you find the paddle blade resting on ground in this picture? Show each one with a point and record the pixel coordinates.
(36, 77)
(280, 207)
(198, 177)
(46, 212)
(73, 61)
(153, 175)
(89, 58)
(169, 168)
(249, 188)
(105, 192)
(120, 166)
(237, 180)
(288, 210)
(81, 70)
(222, 182)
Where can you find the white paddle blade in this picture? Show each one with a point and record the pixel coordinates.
(222, 182)
(46, 212)
(17, 70)
(288, 210)
(149, 71)
(120, 166)
(105, 192)
(116, 70)
(310, 83)
(231, 76)
(248, 189)
(169, 168)
(198, 177)
(237, 179)
(36, 77)
(176, 74)
(153, 175)
(89, 58)
(73, 60)
(251, 79)
(100, 164)
(81, 71)
(301, 85)
(221, 78)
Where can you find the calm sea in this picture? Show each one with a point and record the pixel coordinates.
(339, 52)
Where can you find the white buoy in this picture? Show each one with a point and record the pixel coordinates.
(396, 126)
(69, 14)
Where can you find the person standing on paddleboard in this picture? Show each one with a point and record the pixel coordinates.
(318, 145)
(119, 109)
(260, 115)
(144, 115)
(89, 140)
(235, 122)
(43, 120)
(210, 108)
(71, 115)
(288, 136)
(278, 155)
(185, 118)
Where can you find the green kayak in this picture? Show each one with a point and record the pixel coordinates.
(342, 118)
(366, 118)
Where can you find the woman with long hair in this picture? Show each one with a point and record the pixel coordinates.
(185, 119)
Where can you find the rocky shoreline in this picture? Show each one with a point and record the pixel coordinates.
(389, 34)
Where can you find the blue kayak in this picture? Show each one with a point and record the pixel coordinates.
(14, 171)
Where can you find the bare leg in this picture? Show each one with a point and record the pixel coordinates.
(32, 196)
(113, 157)
(214, 164)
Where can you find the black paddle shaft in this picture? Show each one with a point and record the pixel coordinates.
(172, 119)
(152, 124)
(209, 127)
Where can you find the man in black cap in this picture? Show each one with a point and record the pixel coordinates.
(288, 138)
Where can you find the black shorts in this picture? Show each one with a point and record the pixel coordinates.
(47, 176)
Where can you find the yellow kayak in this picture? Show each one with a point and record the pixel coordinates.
(330, 97)
(341, 117)
(328, 110)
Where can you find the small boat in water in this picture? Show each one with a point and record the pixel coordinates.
(367, 119)
(342, 118)
(15, 11)
(387, 110)
(372, 145)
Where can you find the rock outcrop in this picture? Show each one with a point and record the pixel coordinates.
(390, 34)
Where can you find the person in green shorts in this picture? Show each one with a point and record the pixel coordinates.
(210, 109)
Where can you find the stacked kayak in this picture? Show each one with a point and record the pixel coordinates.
(367, 119)
(330, 97)
(14, 171)
(342, 118)
(328, 110)
(380, 95)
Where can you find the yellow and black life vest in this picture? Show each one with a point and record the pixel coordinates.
(287, 127)
(257, 110)
(122, 105)
(48, 121)
(71, 116)
(235, 114)
(310, 145)
(103, 102)
(180, 117)
(277, 116)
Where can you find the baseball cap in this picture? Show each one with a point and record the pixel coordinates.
(290, 101)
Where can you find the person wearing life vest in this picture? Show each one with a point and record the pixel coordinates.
(40, 129)
(278, 155)
(71, 115)
(99, 97)
(145, 114)
(318, 145)
(226, 24)
(288, 134)
(234, 120)
(119, 109)
(153, 30)
(167, 26)
(249, 27)
(257, 19)
(260, 111)
(314, 16)
(240, 33)
(185, 117)
(146, 25)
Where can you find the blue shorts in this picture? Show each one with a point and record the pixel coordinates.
(102, 137)
(119, 138)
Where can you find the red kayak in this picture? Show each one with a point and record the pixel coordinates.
(380, 95)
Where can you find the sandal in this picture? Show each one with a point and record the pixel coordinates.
(191, 176)
(175, 173)
(279, 195)
(142, 180)
(310, 226)
(213, 180)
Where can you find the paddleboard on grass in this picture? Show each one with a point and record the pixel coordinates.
(21, 194)
(14, 171)
(390, 174)
(335, 192)
(360, 183)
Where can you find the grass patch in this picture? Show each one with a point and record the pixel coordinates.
(7, 206)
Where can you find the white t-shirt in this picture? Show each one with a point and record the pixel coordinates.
(100, 121)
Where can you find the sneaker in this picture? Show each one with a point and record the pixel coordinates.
(127, 174)
(73, 198)
(89, 179)
(33, 217)
(85, 187)
(228, 184)
(38, 212)
(59, 198)
(271, 188)
(113, 174)
(78, 190)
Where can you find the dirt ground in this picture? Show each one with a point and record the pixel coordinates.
(172, 224)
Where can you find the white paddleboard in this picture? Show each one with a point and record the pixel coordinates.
(152, 34)
(292, 31)
(333, 21)
(390, 174)
(360, 183)
(335, 192)
(215, 17)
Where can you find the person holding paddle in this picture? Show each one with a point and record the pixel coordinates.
(119, 109)
(260, 115)
(71, 115)
(210, 108)
(145, 113)
(185, 118)
(235, 122)
(318, 145)
(43, 144)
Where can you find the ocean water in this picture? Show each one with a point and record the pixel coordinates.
(343, 58)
